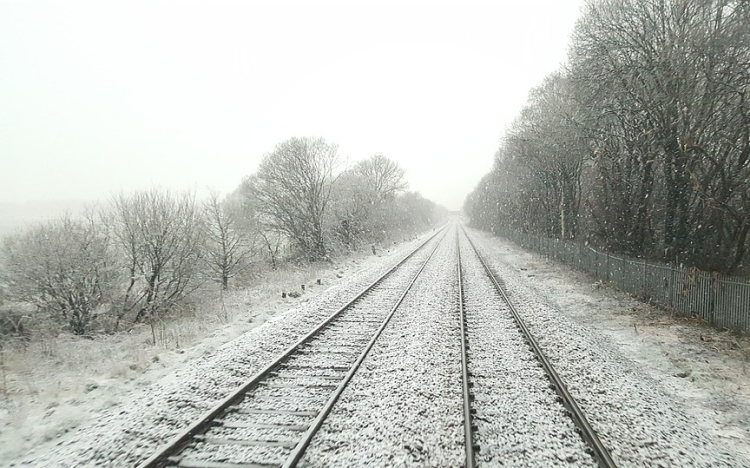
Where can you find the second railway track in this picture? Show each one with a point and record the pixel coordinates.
(518, 411)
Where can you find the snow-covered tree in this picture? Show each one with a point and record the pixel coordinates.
(227, 249)
(292, 189)
(641, 143)
(160, 239)
(64, 267)
(363, 200)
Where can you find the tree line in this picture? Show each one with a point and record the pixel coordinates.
(139, 259)
(640, 144)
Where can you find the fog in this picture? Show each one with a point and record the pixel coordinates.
(99, 98)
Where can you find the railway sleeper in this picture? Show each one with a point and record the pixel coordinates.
(193, 463)
(257, 425)
(254, 442)
(272, 411)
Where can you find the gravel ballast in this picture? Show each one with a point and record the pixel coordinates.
(403, 407)
(635, 419)
(305, 381)
(518, 417)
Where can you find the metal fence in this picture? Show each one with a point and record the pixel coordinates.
(723, 301)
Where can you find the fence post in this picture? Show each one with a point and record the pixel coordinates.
(671, 289)
(713, 284)
(643, 289)
(580, 254)
(599, 265)
(607, 268)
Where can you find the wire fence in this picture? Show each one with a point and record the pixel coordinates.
(722, 301)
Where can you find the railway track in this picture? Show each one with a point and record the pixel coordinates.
(474, 421)
(270, 420)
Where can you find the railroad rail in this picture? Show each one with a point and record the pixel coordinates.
(270, 420)
(597, 449)
(469, 446)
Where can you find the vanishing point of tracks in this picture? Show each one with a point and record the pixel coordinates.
(271, 419)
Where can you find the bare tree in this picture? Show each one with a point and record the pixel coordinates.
(159, 236)
(545, 149)
(647, 129)
(263, 238)
(227, 249)
(272, 243)
(363, 199)
(382, 176)
(353, 203)
(292, 189)
(63, 267)
(665, 83)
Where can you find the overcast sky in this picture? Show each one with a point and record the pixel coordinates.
(98, 97)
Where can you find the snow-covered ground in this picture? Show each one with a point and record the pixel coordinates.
(701, 372)
(698, 372)
(95, 418)
(322, 361)
(519, 419)
(403, 407)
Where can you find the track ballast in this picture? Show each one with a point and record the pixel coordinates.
(270, 420)
(506, 388)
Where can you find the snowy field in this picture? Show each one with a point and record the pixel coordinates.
(701, 372)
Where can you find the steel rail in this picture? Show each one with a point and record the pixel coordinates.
(468, 425)
(204, 422)
(298, 451)
(587, 432)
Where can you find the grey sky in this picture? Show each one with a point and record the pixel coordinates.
(98, 97)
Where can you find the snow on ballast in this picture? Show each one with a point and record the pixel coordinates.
(635, 418)
(330, 354)
(518, 417)
(403, 408)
